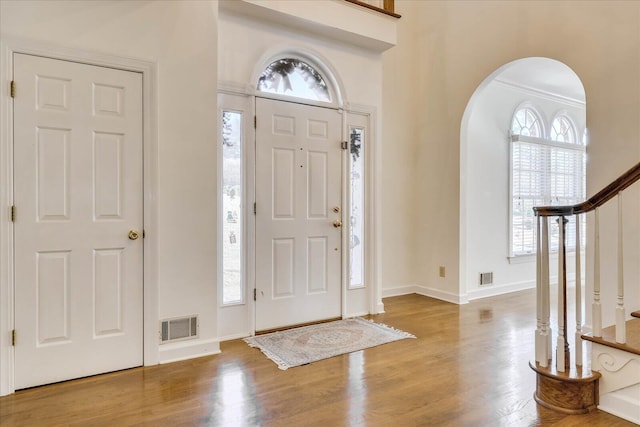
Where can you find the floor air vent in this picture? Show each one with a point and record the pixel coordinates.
(486, 278)
(178, 329)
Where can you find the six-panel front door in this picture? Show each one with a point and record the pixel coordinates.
(78, 194)
(298, 229)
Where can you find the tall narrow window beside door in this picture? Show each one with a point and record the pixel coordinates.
(232, 218)
(356, 216)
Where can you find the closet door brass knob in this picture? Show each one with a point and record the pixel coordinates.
(133, 234)
(337, 223)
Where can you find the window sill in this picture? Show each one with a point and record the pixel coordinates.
(522, 259)
(531, 258)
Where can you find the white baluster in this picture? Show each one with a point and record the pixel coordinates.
(561, 340)
(596, 307)
(578, 297)
(545, 293)
(621, 332)
(540, 356)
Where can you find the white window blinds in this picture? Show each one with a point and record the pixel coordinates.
(543, 172)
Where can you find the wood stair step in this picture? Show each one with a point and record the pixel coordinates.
(609, 337)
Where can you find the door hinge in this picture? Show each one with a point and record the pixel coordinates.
(13, 213)
(255, 122)
(254, 208)
(13, 89)
(345, 145)
(255, 294)
(13, 337)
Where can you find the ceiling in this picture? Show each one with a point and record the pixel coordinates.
(547, 75)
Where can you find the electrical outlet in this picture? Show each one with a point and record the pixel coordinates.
(442, 271)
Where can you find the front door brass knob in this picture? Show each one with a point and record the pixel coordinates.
(133, 234)
(337, 223)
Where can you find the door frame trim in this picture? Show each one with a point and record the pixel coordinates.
(373, 206)
(9, 46)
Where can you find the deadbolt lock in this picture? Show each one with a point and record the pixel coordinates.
(336, 209)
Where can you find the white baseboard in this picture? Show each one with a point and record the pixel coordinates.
(489, 291)
(234, 336)
(425, 291)
(356, 314)
(492, 291)
(623, 403)
(184, 350)
(399, 290)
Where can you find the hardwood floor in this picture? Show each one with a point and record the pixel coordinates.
(468, 367)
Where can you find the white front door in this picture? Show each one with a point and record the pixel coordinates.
(298, 199)
(78, 193)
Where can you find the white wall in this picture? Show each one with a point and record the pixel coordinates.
(180, 37)
(486, 175)
(453, 47)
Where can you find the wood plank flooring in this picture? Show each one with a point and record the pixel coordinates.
(468, 367)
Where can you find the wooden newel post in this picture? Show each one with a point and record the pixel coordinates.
(562, 350)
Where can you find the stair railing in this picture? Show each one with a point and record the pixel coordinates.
(543, 335)
(383, 6)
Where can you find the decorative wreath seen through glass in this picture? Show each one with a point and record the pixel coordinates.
(293, 77)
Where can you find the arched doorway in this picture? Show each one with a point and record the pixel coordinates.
(510, 122)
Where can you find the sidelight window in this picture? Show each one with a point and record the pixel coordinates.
(232, 218)
(356, 216)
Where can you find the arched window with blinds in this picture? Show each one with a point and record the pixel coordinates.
(546, 169)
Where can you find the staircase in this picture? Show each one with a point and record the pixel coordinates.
(607, 376)
(620, 368)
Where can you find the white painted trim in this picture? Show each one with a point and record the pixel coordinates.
(621, 404)
(522, 259)
(424, 291)
(235, 88)
(492, 291)
(235, 336)
(356, 314)
(373, 231)
(399, 290)
(6, 226)
(185, 350)
(529, 90)
(9, 46)
(441, 295)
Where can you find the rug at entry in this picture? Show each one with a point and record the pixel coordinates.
(300, 346)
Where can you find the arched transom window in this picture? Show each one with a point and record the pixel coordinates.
(294, 77)
(526, 122)
(562, 130)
